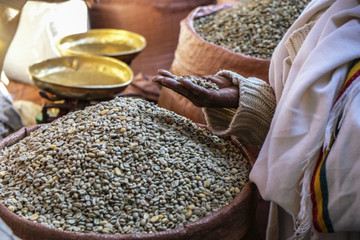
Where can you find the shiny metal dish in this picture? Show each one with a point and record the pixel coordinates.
(82, 77)
(120, 44)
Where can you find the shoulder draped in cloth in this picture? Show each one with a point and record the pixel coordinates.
(306, 87)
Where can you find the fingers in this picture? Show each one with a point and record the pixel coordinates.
(166, 81)
(186, 88)
(180, 84)
(173, 85)
(194, 88)
(219, 80)
(165, 73)
(200, 96)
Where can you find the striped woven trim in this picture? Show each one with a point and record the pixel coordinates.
(352, 75)
(320, 196)
(319, 187)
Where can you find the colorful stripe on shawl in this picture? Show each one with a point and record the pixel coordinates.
(318, 187)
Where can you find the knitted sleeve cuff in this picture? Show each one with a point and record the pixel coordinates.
(251, 121)
(296, 39)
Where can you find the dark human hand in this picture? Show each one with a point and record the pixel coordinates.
(227, 96)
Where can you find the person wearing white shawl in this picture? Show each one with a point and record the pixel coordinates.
(307, 80)
(306, 122)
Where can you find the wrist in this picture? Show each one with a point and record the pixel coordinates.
(251, 120)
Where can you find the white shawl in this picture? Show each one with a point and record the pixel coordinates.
(305, 93)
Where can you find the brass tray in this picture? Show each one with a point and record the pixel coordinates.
(82, 77)
(121, 44)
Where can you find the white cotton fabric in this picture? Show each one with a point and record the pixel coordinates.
(305, 94)
(343, 172)
(10, 120)
(9, 18)
(41, 25)
(6, 233)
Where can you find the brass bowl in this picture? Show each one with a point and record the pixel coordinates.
(82, 77)
(120, 44)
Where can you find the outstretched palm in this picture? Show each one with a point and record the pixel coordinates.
(226, 96)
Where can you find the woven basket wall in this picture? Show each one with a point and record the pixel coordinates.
(195, 56)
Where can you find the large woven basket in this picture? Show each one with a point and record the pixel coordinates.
(195, 56)
(232, 222)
